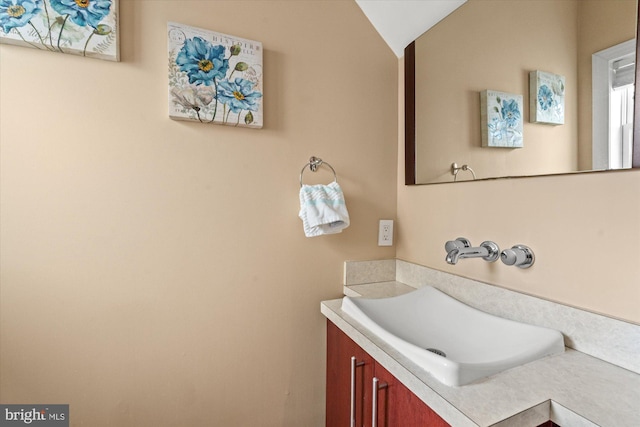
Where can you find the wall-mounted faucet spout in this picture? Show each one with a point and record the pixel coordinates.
(488, 251)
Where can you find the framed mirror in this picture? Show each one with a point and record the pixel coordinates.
(504, 47)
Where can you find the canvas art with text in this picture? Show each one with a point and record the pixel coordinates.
(81, 27)
(214, 78)
(501, 119)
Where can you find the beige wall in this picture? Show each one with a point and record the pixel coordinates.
(583, 229)
(155, 272)
(494, 44)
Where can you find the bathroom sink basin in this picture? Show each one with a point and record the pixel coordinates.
(454, 342)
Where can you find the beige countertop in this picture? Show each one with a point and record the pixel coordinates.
(571, 389)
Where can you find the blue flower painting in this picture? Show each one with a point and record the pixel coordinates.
(80, 27)
(213, 77)
(502, 122)
(546, 103)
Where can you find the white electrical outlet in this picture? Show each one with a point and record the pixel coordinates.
(385, 232)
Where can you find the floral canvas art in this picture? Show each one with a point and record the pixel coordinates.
(80, 27)
(214, 78)
(546, 98)
(501, 119)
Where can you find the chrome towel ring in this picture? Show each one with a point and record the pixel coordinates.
(314, 163)
(455, 169)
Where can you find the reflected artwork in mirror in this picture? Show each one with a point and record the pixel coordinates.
(497, 45)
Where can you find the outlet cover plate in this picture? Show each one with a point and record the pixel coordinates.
(385, 232)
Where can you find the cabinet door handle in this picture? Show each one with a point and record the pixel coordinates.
(377, 385)
(354, 365)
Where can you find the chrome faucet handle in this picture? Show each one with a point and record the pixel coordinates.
(459, 243)
(493, 251)
(519, 255)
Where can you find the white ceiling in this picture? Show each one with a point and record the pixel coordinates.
(399, 22)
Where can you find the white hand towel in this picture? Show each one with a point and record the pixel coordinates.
(322, 209)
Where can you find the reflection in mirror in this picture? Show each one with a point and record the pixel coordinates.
(495, 45)
(613, 75)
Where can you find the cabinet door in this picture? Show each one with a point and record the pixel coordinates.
(397, 406)
(340, 393)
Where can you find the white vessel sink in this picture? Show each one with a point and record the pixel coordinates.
(455, 343)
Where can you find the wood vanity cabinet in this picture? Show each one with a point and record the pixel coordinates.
(351, 373)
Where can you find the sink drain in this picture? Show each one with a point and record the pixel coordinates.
(436, 351)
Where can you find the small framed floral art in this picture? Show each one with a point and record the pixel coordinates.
(501, 119)
(546, 98)
(214, 78)
(79, 27)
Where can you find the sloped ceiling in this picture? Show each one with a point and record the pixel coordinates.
(399, 22)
